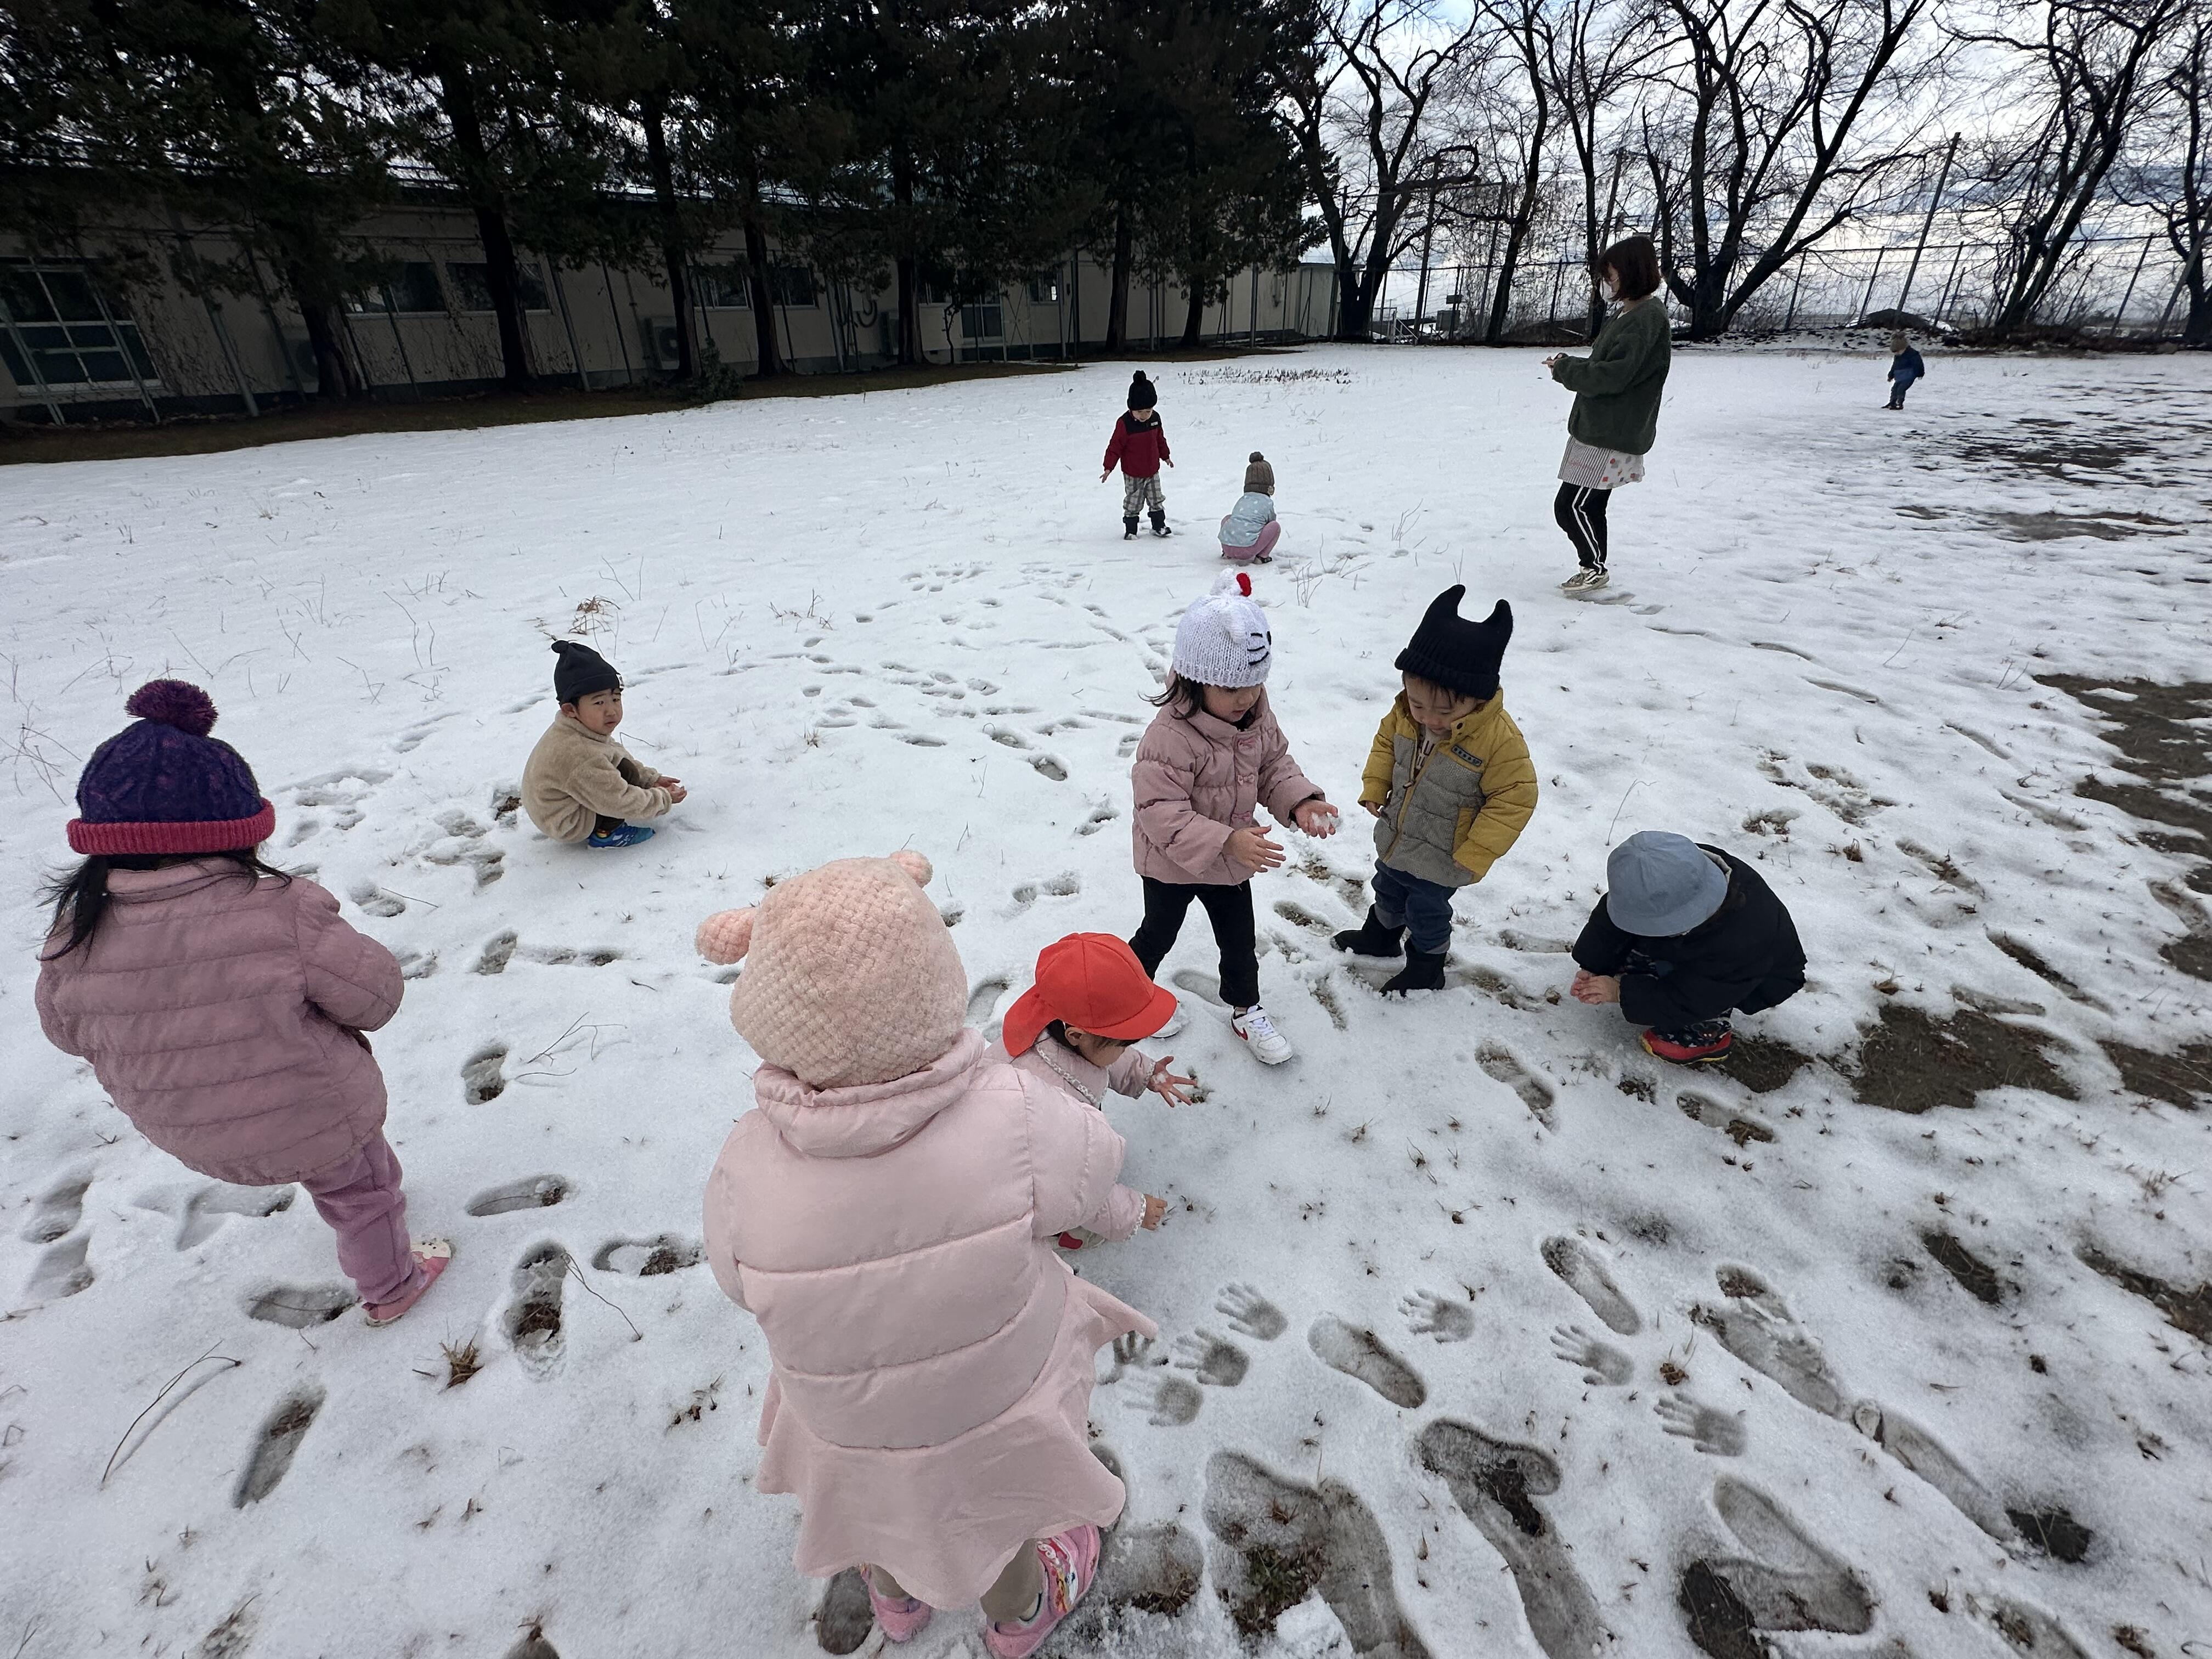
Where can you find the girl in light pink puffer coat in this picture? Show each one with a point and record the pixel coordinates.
(885, 1211)
(221, 1002)
(1213, 756)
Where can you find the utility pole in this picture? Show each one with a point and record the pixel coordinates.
(1942, 178)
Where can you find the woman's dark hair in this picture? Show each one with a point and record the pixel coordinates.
(1188, 696)
(1634, 263)
(80, 898)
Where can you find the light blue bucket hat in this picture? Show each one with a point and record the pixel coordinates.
(1659, 883)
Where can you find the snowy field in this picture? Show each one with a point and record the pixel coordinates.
(1890, 1338)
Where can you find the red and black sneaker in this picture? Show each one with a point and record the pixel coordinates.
(1703, 1044)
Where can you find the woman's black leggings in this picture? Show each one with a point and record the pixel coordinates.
(1581, 512)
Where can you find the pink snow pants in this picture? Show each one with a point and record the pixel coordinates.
(362, 1201)
(1262, 549)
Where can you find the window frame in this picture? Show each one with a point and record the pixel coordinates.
(124, 335)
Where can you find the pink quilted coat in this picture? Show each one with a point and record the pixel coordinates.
(1197, 780)
(930, 1355)
(221, 1013)
(1079, 1079)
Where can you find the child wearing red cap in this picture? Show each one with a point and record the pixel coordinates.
(1075, 1029)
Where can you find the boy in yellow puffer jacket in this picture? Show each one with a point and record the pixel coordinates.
(1449, 783)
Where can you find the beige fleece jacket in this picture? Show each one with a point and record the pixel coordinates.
(574, 777)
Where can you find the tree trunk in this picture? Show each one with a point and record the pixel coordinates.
(652, 114)
(456, 94)
(910, 284)
(1193, 316)
(334, 376)
(1508, 263)
(762, 287)
(2197, 330)
(1117, 298)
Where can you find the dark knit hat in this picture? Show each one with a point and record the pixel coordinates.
(580, 672)
(164, 786)
(1259, 477)
(1141, 395)
(1455, 652)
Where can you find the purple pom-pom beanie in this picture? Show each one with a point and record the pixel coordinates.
(164, 786)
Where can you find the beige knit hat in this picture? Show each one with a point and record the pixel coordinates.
(850, 977)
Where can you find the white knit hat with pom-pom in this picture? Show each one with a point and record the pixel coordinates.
(1223, 638)
(851, 976)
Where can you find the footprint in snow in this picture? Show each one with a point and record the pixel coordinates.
(535, 1193)
(57, 1211)
(1155, 1568)
(1048, 766)
(1431, 1316)
(532, 1322)
(498, 951)
(1741, 1127)
(1204, 986)
(481, 1077)
(2026, 1627)
(1757, 1328)
(648, 1258)
(1359, 1353)
(275, 1444)
(1278, 1541)
(1495, 1484)
(1099, 819)
(845, 1618)
(1922, 1453)
(1788, 1583)
(1586, 1276)
(375, 901)
(983, 1000)
(1007, 735)
(300, 1306)
(201, 1210)
(1535, 1094)
(62, 1271)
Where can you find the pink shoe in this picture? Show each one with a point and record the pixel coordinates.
(1070, 1560)
(900, 1621)
(431, 1256)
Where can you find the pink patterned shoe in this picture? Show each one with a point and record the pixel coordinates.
(900, 1621)
(431, 1256)
(1070, 1560)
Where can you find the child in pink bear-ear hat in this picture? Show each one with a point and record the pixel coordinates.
(887, 1213)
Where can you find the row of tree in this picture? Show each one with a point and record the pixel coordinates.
(1743, 133)
(940, 146)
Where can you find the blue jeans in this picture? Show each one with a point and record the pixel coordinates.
(1423, 908)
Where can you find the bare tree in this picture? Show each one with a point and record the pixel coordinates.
(2094, 63)
(1363, 100)
(1522, 138)
(2173, 179)
(1770, 125)
(1595, 50)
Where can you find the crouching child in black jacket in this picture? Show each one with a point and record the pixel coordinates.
(1685, 936)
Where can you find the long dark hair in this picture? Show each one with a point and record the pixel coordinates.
(1188, 696)
(81, 898)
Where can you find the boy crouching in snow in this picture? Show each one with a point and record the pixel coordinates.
(580, 785)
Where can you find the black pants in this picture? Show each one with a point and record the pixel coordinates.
(1230, 910)
(1580, 511)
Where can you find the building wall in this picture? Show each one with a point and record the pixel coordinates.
(155, 341)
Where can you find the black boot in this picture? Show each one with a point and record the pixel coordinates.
(1129, 529)
(1424, 971)
(1160, 523)
(1371, 937)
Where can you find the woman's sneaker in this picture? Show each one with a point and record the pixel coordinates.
(1269, 1046)
(901, 1620)
(1589, 577)
(1070, 1560)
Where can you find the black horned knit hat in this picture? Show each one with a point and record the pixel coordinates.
(580, 672)
(1453, 652)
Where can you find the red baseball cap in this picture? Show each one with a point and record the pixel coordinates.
(1095, 983)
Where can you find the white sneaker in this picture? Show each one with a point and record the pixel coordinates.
(1589, 577)
(1176, 1023)
(1269, 1046)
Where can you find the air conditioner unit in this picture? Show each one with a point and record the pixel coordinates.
(662, 349)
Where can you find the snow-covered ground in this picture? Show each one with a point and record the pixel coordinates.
(1818, 1349)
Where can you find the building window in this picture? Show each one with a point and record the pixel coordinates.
(722, 287)
(1044, 290)
(55, 313)
(472, 285)
(983, 322)
(413, 288)
(791, 284)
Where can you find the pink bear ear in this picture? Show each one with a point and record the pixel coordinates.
(914, 864)
(726, 935)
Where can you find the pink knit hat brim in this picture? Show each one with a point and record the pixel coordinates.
(213, 835)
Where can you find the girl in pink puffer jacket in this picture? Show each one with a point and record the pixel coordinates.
(221, 1002)
(885, 1211)
(1213, 755)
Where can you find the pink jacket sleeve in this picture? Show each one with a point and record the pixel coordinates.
(59, 1031)
(721, 1254)
(1169, 821)
(1132, 1074)
(1282, 785)
(1074, 1157)
(350, 977)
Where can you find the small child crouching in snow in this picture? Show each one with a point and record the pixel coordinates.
(1249, 530)
(1074, 1028)
(886, 1213)
(580, 785)
(221, 1002)
(1212, 756)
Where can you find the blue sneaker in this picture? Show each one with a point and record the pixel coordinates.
(623, 835)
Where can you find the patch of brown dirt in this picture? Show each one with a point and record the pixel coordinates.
(2184, 1309)
(1979, 1278)
(1763, 1065)
(2183, 1078)
(1913, 1062)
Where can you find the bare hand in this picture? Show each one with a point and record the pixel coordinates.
(1595, 988)
(1556, 357)
(1170, 463)
(1107, 474)
(1155, 1211)
(1316, 817)
(677, 792)
(1250, 847)
(1175, 1090)
(1374, 808)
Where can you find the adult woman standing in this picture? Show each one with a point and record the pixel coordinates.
(1616, 413)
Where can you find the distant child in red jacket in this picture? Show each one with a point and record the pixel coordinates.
(1139, 444)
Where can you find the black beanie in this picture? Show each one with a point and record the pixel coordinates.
(580, 672)
(1141, 395)
(1452, 650)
